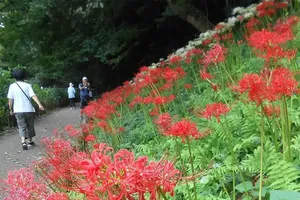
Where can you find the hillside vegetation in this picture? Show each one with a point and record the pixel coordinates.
(218, 119)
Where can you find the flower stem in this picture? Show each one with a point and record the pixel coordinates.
(192, 165)
(183, 168)
(262, 135)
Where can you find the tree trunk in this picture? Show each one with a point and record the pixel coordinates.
(191, 14)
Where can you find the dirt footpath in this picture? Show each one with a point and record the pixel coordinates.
(11, 154)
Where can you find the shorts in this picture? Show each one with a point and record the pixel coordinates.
(25, 123)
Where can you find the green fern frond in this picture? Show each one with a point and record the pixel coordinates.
(282, 175)
(252, 162)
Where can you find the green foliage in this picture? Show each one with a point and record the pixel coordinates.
(5, 80)
(283, 195)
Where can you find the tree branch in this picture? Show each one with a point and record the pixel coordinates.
(191, 14)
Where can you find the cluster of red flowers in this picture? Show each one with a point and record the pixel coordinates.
(268, 43)
(158, 100)
(100, 174)
(269, 8)
(252, 25)
(184, 129)
(279, 83)
(22, 184)
(192, 52)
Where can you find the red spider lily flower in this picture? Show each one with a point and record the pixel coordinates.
(279, 83)
(188, 60)
(252, 24)
(214, 56)
(265, 39)
(268, 8)
(87, 128)
(104, 126)
(136, 100)
(184, 129)
(163, 100)
(255, 86)
(175, 59)
(282, 82)
(227, 37)
(124, 156)
(164, 121)
(205, 75)
(160, 100)
(215, 110)
(217, 37)
(270, 110)
(206, 42)
(188, 86)
(143, 69)
(219, 26)
(69, 127)
(172, 97)
(148, 100)
(284, 27)
(171, 75)
(21, 184)
(90, 138)
(72, 131)
(164, 87)
(193, 52)
(275, 53)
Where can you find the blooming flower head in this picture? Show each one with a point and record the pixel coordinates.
(90, 138)
(215, 110)
(214, 56)
(205, 75)
(184, 129)
(282, 82)
(264, 39)
(269, 86)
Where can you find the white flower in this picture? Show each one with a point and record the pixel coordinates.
(239, 10)
(248, 15)
(153, 67)
(232, 21)
(180, 51)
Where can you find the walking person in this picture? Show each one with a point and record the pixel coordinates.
(71, 95)
(19, 102)
(84, 88)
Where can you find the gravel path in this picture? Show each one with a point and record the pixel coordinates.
(11, 154)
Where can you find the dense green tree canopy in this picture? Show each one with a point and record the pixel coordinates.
(59, 41)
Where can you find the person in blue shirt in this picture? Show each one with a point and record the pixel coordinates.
(84, 88)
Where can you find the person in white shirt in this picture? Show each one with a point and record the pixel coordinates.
(71, 95)
(19, 103)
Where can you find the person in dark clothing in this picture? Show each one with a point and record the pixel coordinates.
(84, 88)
